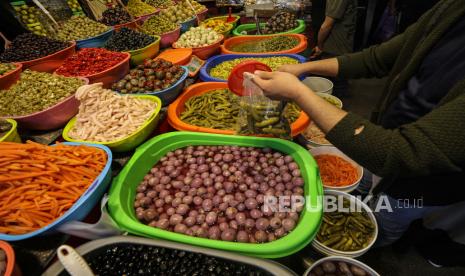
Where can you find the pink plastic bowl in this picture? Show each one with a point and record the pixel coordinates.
(53, 117)
(169, 38)
(206, 51)
(202, 15)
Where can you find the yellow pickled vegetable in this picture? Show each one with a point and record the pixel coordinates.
(217, 25)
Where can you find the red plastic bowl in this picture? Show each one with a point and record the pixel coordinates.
(206, 51)
(202, 15)
(10, 257)
(51, 62)
(170, 37)
(111, 75)
(53, 117)
(11, 77)
(132, 25)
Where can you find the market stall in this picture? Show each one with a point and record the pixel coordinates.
(130, 119)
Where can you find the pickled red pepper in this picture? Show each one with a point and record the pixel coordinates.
(90, 61)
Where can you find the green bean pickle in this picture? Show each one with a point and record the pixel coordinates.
(346, 231)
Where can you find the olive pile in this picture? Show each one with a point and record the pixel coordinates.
(36, 91)
(28, 16)
(280, 22)
(152, 76)
(4, 128)
(138, 8)
(197, 6)
(273, 44)
(161, 4)
(338, 268)
(179, 13)
(131, 259)
(30, 46)
(80, 27)
(6, 67)
(115, 16)
(158, 25)
(127, 39)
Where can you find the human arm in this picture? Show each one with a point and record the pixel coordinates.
(434, 143)
(324, 32)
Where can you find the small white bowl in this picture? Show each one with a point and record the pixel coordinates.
(328, 251)
(370, 271)
(331, 150)
(319, 84)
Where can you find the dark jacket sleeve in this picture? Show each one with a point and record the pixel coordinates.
(434, 143)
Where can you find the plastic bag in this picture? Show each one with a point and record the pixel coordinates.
(260, 115)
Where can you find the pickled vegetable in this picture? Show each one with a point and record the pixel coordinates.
(6, 67)
(80, 27)
(222, 70)
(179, 13)
(5, 126)
(161, 4)
(30, 46)
(218, 25)
(138, 8)
(274, 44)
(36, 91)
(219, 109)
(280, 22)
(197, 37)
(158, 25)
(346, 231)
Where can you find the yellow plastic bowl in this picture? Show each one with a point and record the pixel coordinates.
(138, 56)
(12, 135)
(133, 140)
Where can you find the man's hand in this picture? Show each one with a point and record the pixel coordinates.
(316, 53)
(279, 85)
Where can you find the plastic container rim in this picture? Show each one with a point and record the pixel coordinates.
(86, 81)
(301, 38)
(97, 36)
(154, 115)
(85, 195)
(183, 77)
(301, 25)
(14, 126)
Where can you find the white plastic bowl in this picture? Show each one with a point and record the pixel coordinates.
(370, 271)
(328, 251)
(331, 150)
(319, 84)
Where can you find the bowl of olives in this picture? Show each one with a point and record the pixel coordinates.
(9, 74)
(339, 266)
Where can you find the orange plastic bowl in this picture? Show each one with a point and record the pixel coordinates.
(177, 107)
(230, 42)
(53, 117)
(10, 257)
(206, 51)
(51, 62)
(11, 77)
(111, 75)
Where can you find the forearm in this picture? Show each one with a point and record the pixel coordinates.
(324, 114)
(323, 34)
(326, 67)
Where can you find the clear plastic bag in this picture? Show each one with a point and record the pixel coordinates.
(259, 115)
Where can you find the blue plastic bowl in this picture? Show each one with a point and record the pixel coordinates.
(169, 95)
(185, 26)
(82, 207)
(215, 60)
(96, 41)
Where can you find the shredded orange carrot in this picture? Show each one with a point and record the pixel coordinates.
(335, 171)
(39, 183)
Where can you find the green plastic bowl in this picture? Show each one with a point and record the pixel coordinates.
(123, 192)
(12, 135)
(138, 56)
(131, 141)
(251, 27)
